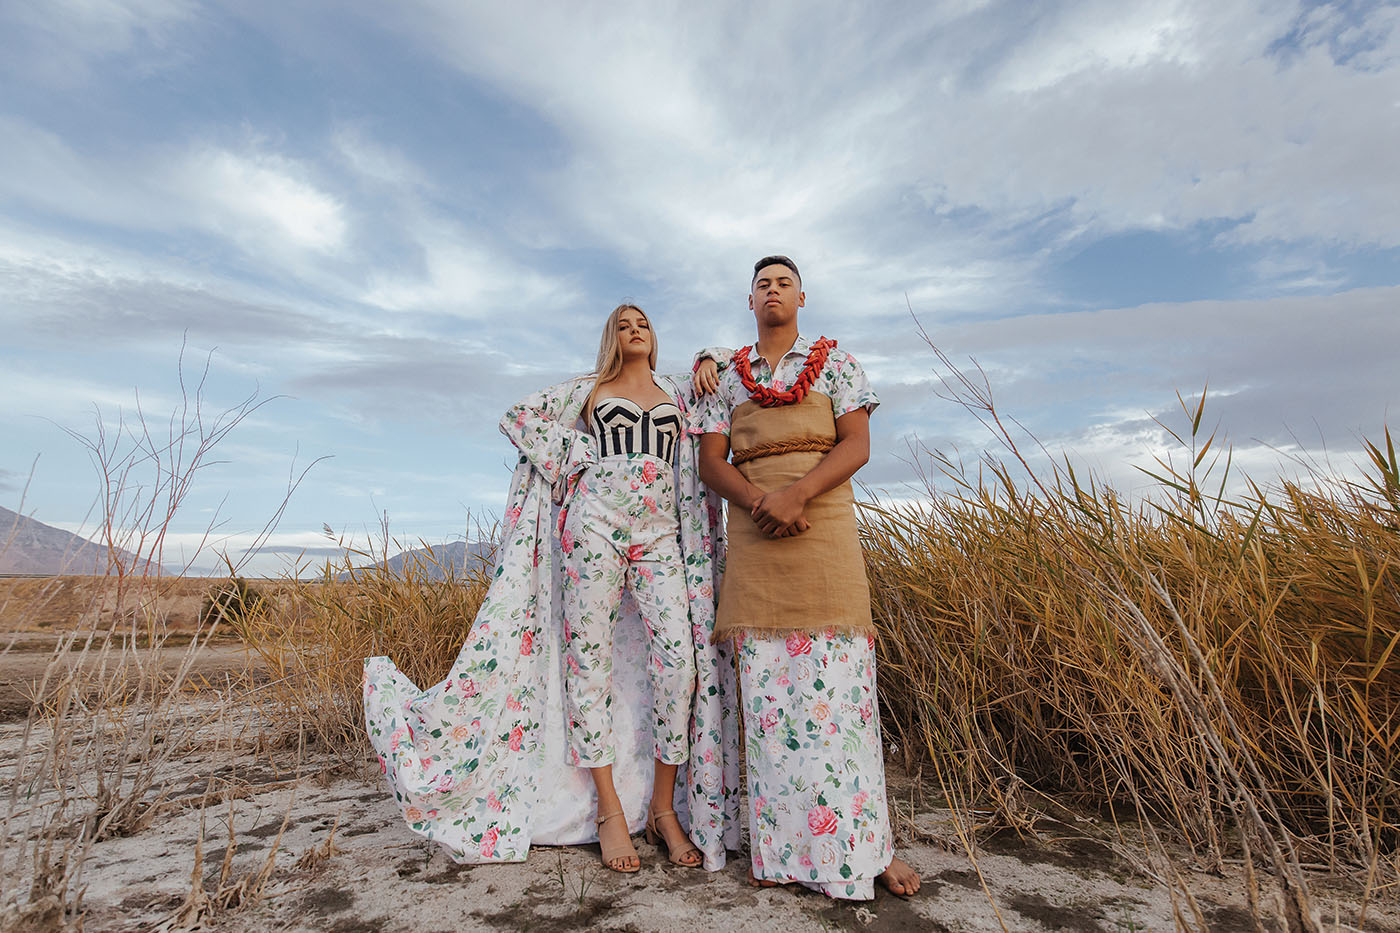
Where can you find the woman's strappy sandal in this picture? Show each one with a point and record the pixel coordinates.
(625, 850)
(654, 837)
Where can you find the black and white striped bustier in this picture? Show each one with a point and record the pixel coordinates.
(624, 427)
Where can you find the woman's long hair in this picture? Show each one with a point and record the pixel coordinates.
(609, 365)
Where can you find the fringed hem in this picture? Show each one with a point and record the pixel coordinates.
(735, 632)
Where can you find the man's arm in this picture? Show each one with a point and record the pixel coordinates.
(778, 512)
(724, 478)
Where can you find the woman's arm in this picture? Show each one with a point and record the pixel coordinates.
(541, 426)
(706, 378)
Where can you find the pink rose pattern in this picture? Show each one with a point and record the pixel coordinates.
(472, 760)
(488, 842)
(809, 701)
(623, 540)
(816, 793)
(821, 820)
(798, 643)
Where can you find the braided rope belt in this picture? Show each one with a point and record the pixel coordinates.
(777, 448)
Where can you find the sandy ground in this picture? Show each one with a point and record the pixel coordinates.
(385, 878)
(22, 667)
(56, 603)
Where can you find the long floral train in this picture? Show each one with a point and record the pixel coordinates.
(479, 762)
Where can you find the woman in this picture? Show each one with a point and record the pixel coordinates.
(562, 717)
(623, 530)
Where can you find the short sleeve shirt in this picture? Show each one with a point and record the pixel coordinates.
(842, 380)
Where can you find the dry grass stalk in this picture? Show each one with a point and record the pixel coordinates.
(1192, 654)
(200, 909)
(110, 717)
(316, 857)
(313, 642)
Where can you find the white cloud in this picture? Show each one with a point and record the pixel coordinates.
(127, 314)
(463, 275)
(1283, 374)
(372, 159)
(103, 24)
(32, 391)
(1101, 37)
(281, 213)
(203, 552)
(703, 135)
(40, 169)
(253, 198)
(264, 203)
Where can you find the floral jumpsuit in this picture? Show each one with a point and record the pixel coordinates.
(621, 532)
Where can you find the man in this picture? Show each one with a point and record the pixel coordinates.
(794, 597)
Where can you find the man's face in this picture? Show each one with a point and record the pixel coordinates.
(776, 295)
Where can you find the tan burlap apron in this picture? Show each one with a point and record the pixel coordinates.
(809, 582)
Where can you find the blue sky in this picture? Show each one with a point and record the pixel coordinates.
(398, 218)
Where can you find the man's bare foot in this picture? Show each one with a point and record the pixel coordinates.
(900, 878)
(755, 883)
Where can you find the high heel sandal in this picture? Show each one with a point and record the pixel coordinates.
(623, 851)
(655, 838)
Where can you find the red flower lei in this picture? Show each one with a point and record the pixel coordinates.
(765, 395)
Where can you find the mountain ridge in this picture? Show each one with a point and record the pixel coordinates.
(453, 560)
(27, 545)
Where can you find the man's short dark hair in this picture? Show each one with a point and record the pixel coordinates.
(775, 261)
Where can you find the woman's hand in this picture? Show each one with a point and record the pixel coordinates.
(706, 378)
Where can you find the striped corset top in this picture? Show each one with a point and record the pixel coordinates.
(624, 427)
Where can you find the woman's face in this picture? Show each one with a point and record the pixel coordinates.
(634, 334)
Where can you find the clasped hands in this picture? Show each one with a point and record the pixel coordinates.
(779, 514)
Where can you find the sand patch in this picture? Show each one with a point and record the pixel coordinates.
(1074, 874)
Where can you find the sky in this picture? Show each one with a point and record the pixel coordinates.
(387, 222)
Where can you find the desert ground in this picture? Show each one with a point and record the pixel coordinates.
(347, 862)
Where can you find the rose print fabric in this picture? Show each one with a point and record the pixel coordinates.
(480, 761)
(623, 532)
(816, 775)
(842, 379)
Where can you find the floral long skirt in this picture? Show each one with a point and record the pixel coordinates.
(816, 772)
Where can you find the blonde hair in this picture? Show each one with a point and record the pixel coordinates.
(609, 365)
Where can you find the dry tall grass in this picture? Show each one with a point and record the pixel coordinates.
(313, 642)
(1228, 666)
(102, 752)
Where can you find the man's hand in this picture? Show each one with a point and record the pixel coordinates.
(706, 378)
(778, 514)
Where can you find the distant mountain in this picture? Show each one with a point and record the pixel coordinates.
(442, 561)
(30, 546)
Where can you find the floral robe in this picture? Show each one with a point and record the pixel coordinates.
(478, 762)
